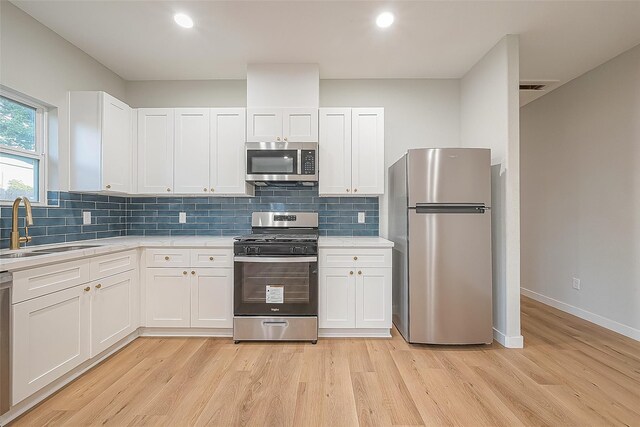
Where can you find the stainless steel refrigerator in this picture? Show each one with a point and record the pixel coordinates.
(439, 220)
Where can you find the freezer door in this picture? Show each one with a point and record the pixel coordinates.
(450, 277)
(449, 175)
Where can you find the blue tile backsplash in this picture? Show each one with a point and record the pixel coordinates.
(206, 216)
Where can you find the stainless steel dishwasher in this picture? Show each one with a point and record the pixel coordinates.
(5, 330)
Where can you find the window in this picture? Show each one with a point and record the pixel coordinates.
(22, 148)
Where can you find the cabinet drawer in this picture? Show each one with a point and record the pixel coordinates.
(40, 281)
(167, 257)
(108, 265)
(211, 257)
(354, 257)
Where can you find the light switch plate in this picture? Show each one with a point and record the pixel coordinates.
(182, 218)
(361, 218)
(86, 218)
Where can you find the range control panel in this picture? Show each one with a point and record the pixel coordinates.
(308, 162)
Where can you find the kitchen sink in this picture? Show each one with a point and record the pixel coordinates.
(20, 255)
(64, 249)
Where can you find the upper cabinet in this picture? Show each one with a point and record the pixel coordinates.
(101, 143)
(282, 125)
(351, 160)
(192, 151)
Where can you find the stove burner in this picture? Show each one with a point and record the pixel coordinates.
(256, 237)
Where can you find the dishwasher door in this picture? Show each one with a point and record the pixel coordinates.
(5, 308)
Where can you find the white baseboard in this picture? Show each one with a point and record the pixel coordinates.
(605, 322)
(516, 341)
(186, 332)
(354, 333)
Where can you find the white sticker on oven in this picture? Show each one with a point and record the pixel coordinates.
(275, 294)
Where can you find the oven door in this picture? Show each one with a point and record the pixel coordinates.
(266, 286)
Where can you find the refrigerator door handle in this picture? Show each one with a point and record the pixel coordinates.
(459, 208)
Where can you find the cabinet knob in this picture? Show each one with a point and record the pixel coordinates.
(285, 138)
(98, 286)
(355, 258)
(351, 273)
(87, 289)
(210, 258)
(213, 189)
(278, 139)
(355, 190)
(348, 190)
(193, 272)
(359, 272)
(205, 189)
(168, 189)
(184, 272)
(108, 186)
(166, 258)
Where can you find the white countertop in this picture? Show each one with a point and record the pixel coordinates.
(117, 244)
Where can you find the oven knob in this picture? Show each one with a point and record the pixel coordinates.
(252, 250)
(298, 250)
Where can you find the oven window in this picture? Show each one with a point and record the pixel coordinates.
(276, 162)
(286, 283)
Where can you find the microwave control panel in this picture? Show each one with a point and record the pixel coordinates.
(308, 162)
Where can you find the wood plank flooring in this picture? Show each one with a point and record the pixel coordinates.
(571, 372)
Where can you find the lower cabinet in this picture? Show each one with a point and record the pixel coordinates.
(337, 298)
(185, 297)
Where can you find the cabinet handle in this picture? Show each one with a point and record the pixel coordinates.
(355, 258)
(210, 258)
(351, 273)
(108, 186)
(168, 189)
(87, 289)
(360, 273)
(166, 258)
(98, 286)
(184, 272)
(193, 272)
(355, 190)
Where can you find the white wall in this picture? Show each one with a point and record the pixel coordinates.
(39, 63)
(418, 112)
(489, 119)
(581, 195)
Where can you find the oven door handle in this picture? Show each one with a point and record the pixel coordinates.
(276, 259)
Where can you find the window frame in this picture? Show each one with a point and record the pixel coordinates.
(40, 153)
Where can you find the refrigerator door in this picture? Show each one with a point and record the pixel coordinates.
(449, 175)
(398, 235)
(450, 276)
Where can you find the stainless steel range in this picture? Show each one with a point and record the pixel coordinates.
(276, 278)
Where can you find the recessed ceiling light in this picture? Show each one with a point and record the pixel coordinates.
(384, 20)
(183, 20)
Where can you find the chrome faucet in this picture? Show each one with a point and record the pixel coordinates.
(16, 239)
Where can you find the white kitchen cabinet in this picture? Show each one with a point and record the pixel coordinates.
(50, 338)
(101, 143)
(212, 298)
(113, 310)
(191, 151)
(282, 125)
(351, 160)
(337, 298)
(155, 150)
(354, 288)
(168, 297)
(227, 156)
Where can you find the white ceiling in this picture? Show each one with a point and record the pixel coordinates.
(138, 40)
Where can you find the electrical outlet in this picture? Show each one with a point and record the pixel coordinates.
(182, 218)
(361, 218)
(576, 283)
(86, 218)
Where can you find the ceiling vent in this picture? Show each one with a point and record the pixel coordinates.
(532, 86)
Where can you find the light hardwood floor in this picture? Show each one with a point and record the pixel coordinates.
(570, 373)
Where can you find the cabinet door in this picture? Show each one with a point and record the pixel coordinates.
(155, 150)
(300, 124)
(212, 298)
(368, 151)
(50, 338)
(117, 145)
(337, 296)
(168, 297)
(264, 124)
(334, 162)
(373, 298)
(191, 151)
(112, 310)
(228, 168)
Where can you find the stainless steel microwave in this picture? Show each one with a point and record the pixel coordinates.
(282, 161)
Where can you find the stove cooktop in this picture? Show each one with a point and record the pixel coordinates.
(256, 237)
